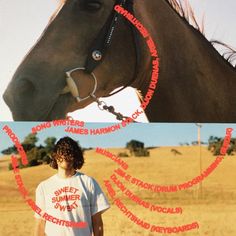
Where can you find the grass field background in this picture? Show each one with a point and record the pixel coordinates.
(215, 211)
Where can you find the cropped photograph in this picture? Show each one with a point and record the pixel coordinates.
(103, 60)
(146, 179)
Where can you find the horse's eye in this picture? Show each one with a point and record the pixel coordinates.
(93, 5)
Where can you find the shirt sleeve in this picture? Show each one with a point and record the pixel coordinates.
(98, 202)
(39, 200)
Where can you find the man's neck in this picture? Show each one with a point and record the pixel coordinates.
(65, 173)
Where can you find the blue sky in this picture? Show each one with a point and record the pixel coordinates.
(164, 134)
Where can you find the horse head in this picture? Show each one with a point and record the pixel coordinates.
(38, 89)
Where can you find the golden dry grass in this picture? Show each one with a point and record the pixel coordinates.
(4, 161)
(215, 212)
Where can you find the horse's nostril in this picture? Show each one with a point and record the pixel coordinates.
(25, 86)
(19, 93)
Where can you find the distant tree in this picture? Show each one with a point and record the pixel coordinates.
(215, 144)
(232, 147)
(184, 144)
(194, 143)
(137, 149)
(33, 162)
(31, 139)
(134, 145)
(9, 150)
(46, 159)
(141, 152)
(34, 155)
(19, 165)
(204, 143)
(50, 143)
(30, 142)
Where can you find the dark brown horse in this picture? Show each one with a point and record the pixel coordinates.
(195, 83)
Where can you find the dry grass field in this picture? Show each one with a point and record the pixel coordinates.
(215, 211)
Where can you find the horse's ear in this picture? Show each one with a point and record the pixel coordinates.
(61, 1)
(60, 4)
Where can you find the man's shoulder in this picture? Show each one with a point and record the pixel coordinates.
(84, 177)
(88, 181)
(48, 181)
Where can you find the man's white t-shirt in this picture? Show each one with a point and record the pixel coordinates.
(75, 199)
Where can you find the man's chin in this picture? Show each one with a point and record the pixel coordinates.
(67, 167)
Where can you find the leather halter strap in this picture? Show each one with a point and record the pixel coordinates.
(103, 40)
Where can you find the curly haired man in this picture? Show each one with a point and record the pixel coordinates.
(69, 196)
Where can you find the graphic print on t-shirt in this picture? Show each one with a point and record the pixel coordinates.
(65, 198)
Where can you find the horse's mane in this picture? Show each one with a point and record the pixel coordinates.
(185, 10)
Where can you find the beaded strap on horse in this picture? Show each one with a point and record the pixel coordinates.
(104, 107)
(118, 115)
